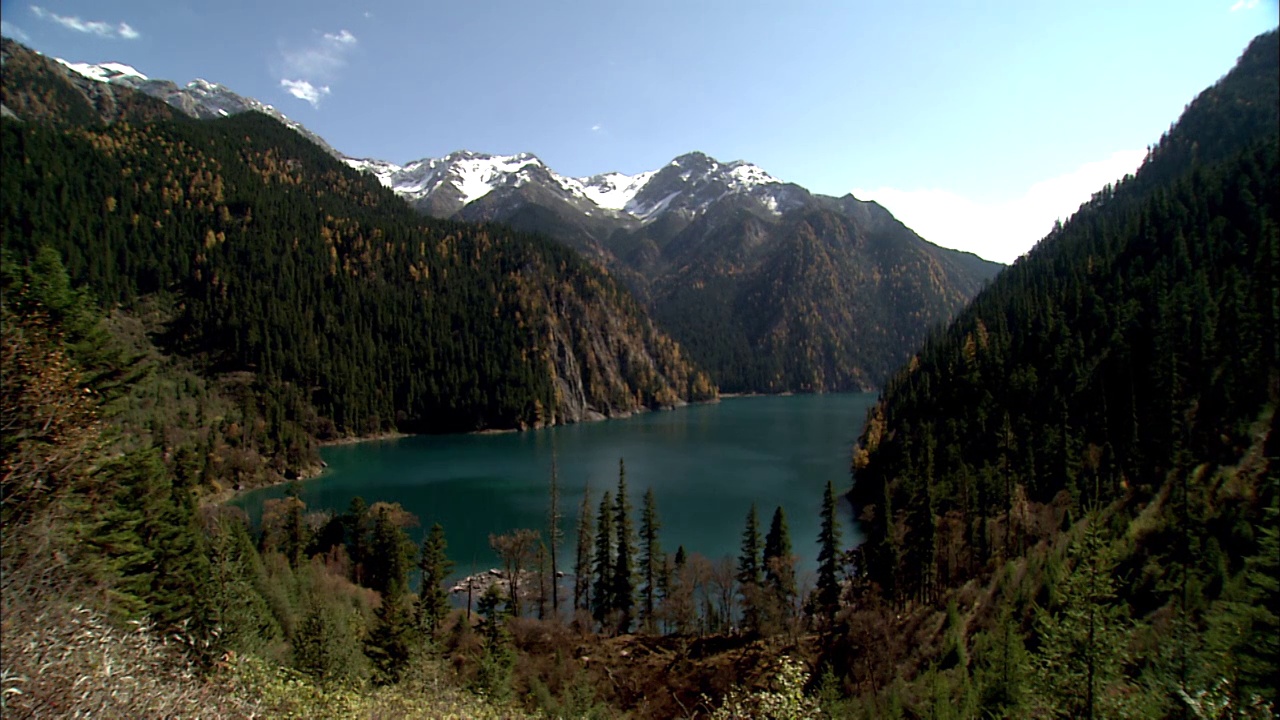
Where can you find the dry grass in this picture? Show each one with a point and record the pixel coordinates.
(65, 660)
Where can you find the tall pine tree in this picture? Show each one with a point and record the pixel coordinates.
(828, 586)
(582, 564)
(652, 559)
(602, 589)
(433, 599)
(779, 566)
(624, 589)
(554, 535)
(749, 571)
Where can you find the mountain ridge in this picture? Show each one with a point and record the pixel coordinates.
(243, 221)
(707, 247)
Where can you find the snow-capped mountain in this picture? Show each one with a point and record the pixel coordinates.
(198, 98)
(772, 287)
(688, 185)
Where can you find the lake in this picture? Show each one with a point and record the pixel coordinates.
(706, 464)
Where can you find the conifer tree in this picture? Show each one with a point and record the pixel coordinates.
(828, 585)
(652, 559)
(326, 645)
(554, 536)
(434, 562)
(391, 641)
(295, 531)
(779, 566)
(749, 560)
(582, 565)
(239, 608)
(749, 571)
(390, 553)
(494, 675)
(356, 536)
(1083, 644)
(623, 569)
(602, 590)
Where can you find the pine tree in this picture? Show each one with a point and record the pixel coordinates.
(779, 565)
(239, 608)
(602, 590)
(623, 570)
(392, 640)
(652, 559)
(554, 536)
(296, 536)
(390, 553)
(326, 645)
(493, 677)
(1000, 666)
(1083, 644)
(356, 537)
(582, 565)
(749, 571)
(433, 599)
(828, 585)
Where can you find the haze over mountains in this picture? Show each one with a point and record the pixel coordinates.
(768, 286)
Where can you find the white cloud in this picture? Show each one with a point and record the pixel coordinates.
(304, 90)
(1244, 5)
(306, 69)
(344, 37)
(1003, 229)
(596, 128)
(95, 27)
(10, 30)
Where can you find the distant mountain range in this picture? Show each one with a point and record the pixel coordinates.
(769, 286)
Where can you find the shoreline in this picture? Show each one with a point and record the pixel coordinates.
(357, 439)
(222, 497)
(226, 495)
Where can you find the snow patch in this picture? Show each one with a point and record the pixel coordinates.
(614, 191)
(477, 175)
(745, 176)
(105, 72)
(645, 213)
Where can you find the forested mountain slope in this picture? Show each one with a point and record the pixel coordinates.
(287, 263)
(1120, 381)
(768, 286)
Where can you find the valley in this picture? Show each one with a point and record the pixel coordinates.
(954, 489)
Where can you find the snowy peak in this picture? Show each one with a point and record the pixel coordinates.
(468, 175)
(106, 72)
(747, 176)
(477, 174)
(199, 98)
(738, 176)
(614, 191)
(689, 184)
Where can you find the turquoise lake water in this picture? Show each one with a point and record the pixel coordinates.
(706, 464)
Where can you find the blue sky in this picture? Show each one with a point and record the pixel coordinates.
(976, 123)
